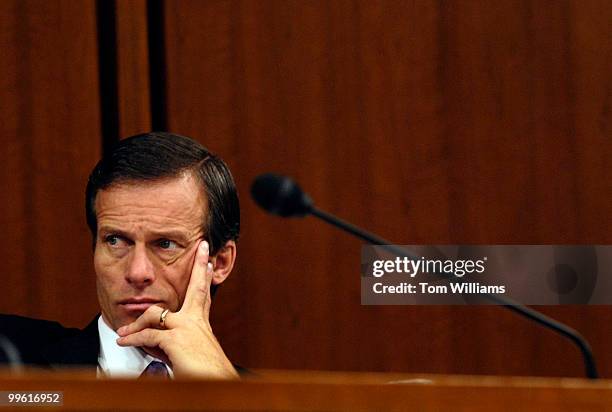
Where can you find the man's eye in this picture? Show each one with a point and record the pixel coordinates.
(114, 240)
(167, 244)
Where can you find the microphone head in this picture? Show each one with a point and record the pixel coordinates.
(280, 195)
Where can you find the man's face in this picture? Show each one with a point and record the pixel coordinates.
(145, 246)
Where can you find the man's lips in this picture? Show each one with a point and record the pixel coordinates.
(138, 304)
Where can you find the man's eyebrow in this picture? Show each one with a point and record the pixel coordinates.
(114, 230)
(171, 234)
(157, 234)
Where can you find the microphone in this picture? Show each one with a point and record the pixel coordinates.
(281, 196)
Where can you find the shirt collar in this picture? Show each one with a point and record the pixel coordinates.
(116, 361)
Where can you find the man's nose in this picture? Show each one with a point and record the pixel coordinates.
(140, 271)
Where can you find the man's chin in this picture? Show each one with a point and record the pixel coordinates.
(125, 314)
(123, 319)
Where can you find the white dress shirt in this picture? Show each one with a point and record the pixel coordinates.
(116, 361)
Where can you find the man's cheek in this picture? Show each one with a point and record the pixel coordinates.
(109, 281)
(102, 259)
(179, 281)
(108, 262)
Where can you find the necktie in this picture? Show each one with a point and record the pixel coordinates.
(157, 369)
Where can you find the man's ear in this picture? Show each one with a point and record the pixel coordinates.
(223, 262)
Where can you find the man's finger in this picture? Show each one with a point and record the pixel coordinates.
(198, 290)
(208, 299)
(149, 319)
(148, 337)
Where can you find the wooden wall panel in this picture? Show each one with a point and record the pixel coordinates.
(50, 131)
(133, 68)
(427, 122)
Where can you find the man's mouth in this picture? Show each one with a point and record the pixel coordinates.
(138, 304)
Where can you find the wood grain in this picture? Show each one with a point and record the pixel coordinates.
(319, 391)
(427, 122)
(133, 68)
(50, 126)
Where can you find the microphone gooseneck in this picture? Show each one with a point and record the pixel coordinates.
(281, 196)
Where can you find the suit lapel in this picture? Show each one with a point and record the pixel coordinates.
(80, 349)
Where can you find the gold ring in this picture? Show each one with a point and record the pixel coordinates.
(162, 318)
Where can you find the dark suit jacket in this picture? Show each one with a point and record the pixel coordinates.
(47, 344)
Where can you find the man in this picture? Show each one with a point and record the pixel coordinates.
(165, 217)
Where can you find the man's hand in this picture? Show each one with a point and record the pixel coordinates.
(187, 343)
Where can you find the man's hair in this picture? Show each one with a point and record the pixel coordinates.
(153, 157)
